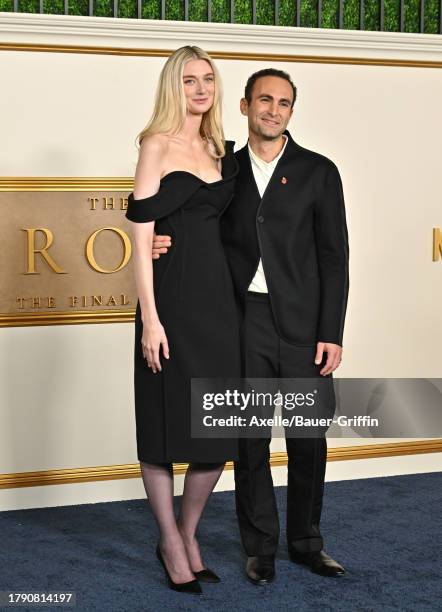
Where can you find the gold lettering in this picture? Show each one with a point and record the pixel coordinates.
(32, 250)
(93, 202)
(437, 243)
(124, 203)
(95, 300)
(90, 249)
(109, 203)
(36, 302)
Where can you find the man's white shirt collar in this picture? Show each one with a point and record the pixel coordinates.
(264, 164)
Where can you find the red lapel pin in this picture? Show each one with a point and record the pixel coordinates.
(283, 180)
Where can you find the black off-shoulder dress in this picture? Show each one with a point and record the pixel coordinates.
(196, 305)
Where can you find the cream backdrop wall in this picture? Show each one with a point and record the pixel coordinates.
(66, 391)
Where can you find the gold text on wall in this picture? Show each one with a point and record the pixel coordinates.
(437, 243)
(69, 252)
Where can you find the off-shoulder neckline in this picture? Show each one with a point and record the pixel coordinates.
(229, 145)
(194, 175)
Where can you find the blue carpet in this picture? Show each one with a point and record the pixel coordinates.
(386, 531)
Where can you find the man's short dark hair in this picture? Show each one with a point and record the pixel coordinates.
(263, 73)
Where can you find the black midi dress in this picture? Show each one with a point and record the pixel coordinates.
(196, 306)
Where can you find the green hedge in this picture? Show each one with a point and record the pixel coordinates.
(264, 11)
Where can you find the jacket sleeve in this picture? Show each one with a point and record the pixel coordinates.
(333, 256)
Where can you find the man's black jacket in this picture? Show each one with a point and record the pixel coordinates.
(299, 230)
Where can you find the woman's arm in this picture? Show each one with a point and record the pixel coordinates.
(146, 184)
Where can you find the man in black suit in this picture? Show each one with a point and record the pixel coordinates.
(285, 237)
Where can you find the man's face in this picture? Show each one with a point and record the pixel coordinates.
(270, 108)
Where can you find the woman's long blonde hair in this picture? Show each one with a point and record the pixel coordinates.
(170, 107)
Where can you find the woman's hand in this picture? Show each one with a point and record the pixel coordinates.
(153, 337)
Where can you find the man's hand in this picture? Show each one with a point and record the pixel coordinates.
(334, 356)
(160, 245)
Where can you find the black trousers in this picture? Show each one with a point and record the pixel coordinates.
(267, 356)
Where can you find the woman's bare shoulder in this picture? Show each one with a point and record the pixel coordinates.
(154, 144)
(153, 151)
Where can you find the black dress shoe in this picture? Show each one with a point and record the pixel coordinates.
(192, 586)
(207, 575)
(319, 563)
(260, 569)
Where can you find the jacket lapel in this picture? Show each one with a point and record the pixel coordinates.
(248, 183)
(283, 166)
(291, 150)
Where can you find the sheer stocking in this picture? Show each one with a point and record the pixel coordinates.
(199, 482)
(158, 482)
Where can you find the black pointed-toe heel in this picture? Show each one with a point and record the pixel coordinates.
(207, 575)
(193, 586)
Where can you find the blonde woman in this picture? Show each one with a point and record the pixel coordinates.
(186, 324)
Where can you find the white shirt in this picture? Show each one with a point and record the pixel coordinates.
(262, 171)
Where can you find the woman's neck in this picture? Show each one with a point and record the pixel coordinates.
(191, 128)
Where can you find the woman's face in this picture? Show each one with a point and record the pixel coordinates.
(199, 86)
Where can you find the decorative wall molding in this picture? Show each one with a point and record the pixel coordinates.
(128, 36)
(132, 470)
(67, 318)
(65, 183)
